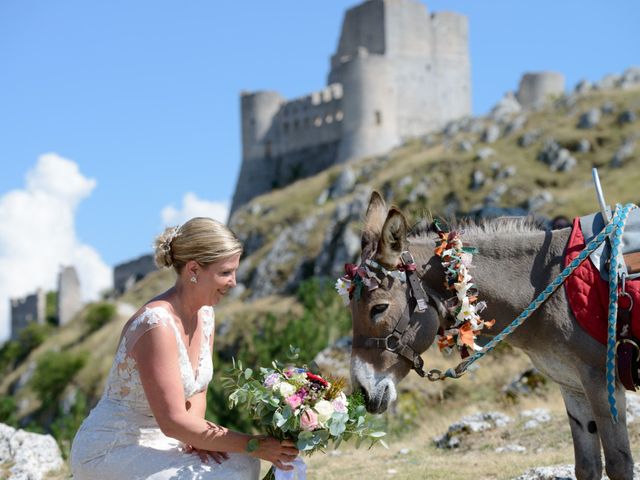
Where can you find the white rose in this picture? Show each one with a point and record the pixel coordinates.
(324, 409)
(286, 389)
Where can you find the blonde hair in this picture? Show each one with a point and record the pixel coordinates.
(201, 239)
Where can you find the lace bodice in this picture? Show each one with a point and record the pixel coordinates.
(123, 383)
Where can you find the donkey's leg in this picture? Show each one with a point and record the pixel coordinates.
(586, 443)
(614, 436)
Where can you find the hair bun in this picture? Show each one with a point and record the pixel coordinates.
(163, 253)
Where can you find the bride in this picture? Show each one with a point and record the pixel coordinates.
(149, 423)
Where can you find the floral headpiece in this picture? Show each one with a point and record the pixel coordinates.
(464, 306)
(368, 274)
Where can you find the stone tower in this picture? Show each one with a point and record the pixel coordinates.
(69, 295)
(536, 88)
(398, 72)
(27, 310)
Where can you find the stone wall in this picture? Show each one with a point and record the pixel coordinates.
(398, 72)
(27, 310)
(127, 274)
(69, 295)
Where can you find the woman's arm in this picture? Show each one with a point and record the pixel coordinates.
(156, 355)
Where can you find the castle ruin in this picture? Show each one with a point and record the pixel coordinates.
(129, 273)
(26, 310)
(398, 72)
(69, 295)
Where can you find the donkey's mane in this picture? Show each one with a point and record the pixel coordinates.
(482, 227)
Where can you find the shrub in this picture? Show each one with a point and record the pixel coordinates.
(8, 411)
(99, 314)
(53, 372)
(66, 424)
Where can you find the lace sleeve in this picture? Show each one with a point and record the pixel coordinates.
(149, 319)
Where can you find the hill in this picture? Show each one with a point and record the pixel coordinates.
(510, 162)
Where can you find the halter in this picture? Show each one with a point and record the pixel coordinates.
(371, 274)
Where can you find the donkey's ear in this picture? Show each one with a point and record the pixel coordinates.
(393, 240)
(373, 222)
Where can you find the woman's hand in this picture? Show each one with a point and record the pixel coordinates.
(280, 453)
(204, 455)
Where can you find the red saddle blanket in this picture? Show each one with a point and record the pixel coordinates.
(588, 293)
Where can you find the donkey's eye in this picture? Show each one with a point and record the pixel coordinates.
(378, 309)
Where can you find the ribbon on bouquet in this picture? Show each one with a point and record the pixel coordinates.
(299, 471)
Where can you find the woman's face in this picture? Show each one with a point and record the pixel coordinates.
(218, 278)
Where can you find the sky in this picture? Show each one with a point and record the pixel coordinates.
(118, 118)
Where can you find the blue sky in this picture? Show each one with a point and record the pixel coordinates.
(143, 96)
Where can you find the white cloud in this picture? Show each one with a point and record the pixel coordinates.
(192, 206)
(38, 235)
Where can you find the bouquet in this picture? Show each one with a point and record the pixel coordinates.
(299, 404)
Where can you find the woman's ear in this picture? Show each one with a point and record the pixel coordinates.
(192, 268)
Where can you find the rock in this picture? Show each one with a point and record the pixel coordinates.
(419, 192)
(559, 159)
(485, 153)
(583, 146)
(511, 448)
(589, 119)
(529, 138)
(506, 107)
(608, 107)
(336, 359)
(491, 134)
(323, 197)
(607, 82)
(404, 182)
(524, 384)
(344, 184)
(560, 472)
(451, 129)
(33, 455)
(268, 278)
(583, 86)
(633, 407)
(478, 179)
(515, 125)
(465, 146)
(536, 416)
(539, 200)
(623, 153)
(628, 116)
(496, 194)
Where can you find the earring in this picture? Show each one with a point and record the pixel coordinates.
(194, 279)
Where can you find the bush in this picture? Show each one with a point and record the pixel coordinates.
(8, 411)
(66, 424)
(99, 314)
(53, 372)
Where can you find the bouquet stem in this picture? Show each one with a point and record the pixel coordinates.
(271, 474)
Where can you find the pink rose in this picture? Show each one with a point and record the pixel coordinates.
(309, 420)
(294, 401)
(340, 405)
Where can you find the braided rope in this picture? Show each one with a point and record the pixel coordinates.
(614, 273)
(614, 228)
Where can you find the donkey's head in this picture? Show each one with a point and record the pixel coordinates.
(382, 354)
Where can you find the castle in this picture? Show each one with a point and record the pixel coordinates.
(398, 73)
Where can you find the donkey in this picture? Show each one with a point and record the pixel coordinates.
(516, 261)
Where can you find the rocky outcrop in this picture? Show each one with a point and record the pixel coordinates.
(26, 455)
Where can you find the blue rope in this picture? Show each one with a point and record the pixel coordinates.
(614, 275)
(614, 229)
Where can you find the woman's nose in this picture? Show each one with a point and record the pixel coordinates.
(232, 282)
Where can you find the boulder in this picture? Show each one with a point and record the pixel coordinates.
(32, 455)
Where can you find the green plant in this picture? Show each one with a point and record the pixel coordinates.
(66, 424)
(8, 411)
(53, 372)
(99, 314)
(51, 308)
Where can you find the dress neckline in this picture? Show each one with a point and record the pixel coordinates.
(207, 312)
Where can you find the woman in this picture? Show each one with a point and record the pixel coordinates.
(149, 423)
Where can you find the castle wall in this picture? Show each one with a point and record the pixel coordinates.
(127, 274)
(27, 310)
(536, 88)
(69, 295)
(398, 72)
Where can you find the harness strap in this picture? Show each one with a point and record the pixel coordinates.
(614, 228)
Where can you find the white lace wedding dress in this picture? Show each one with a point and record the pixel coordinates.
(121, 440)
